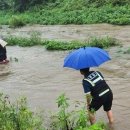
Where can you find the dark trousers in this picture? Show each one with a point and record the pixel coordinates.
(2, 53)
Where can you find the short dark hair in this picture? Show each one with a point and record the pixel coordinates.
(85, 70)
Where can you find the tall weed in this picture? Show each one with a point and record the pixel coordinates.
(17, 116)
(76, 119)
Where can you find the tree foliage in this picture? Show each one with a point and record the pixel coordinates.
(4, 4)
(20, 5)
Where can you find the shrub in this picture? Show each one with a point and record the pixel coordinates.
(104, 42)
(16, 21)
(17, 116)
(76, 119)
(34, 39)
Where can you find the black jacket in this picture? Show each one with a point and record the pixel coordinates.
(96, 83)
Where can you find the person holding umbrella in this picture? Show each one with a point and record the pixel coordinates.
(3, 55)
(98, 94)
(97, 91)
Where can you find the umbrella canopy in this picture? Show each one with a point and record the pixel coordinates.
(3, 43)
(86, 57)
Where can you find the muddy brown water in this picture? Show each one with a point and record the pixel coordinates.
(39, 74)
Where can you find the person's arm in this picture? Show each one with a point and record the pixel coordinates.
(87, 91)
(88, 99)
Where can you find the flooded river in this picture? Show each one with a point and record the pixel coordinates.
(39, 75)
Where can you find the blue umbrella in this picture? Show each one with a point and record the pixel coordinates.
(86, 57)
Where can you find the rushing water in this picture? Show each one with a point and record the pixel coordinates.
(39, 75)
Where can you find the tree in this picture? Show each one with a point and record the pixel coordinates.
(22, 5)
(3, 5)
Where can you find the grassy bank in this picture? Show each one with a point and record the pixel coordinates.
(71, 12)
(18, 116)
(103, 42)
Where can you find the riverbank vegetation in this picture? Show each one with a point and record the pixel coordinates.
(34, 39)
(18, 116)
(50, 12)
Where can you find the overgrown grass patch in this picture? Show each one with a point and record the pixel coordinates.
(70, 12)
(18, 116)
(57, 45)
(34, 39)
(4, 17)
(76, 119)
(16, 21)
(85, 15)
(103, 42)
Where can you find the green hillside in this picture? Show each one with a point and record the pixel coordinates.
(50, 12)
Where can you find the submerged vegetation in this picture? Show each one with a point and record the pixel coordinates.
(34, 39)
(76, 119)
(66, 12)
(17, 116)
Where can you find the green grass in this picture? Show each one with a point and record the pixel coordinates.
(70, 12)
(16, 21)
(34, 39)
(18, 116)
(76, 119)
(104, 42)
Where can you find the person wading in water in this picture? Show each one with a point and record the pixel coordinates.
(3, 53)
(98, 94)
